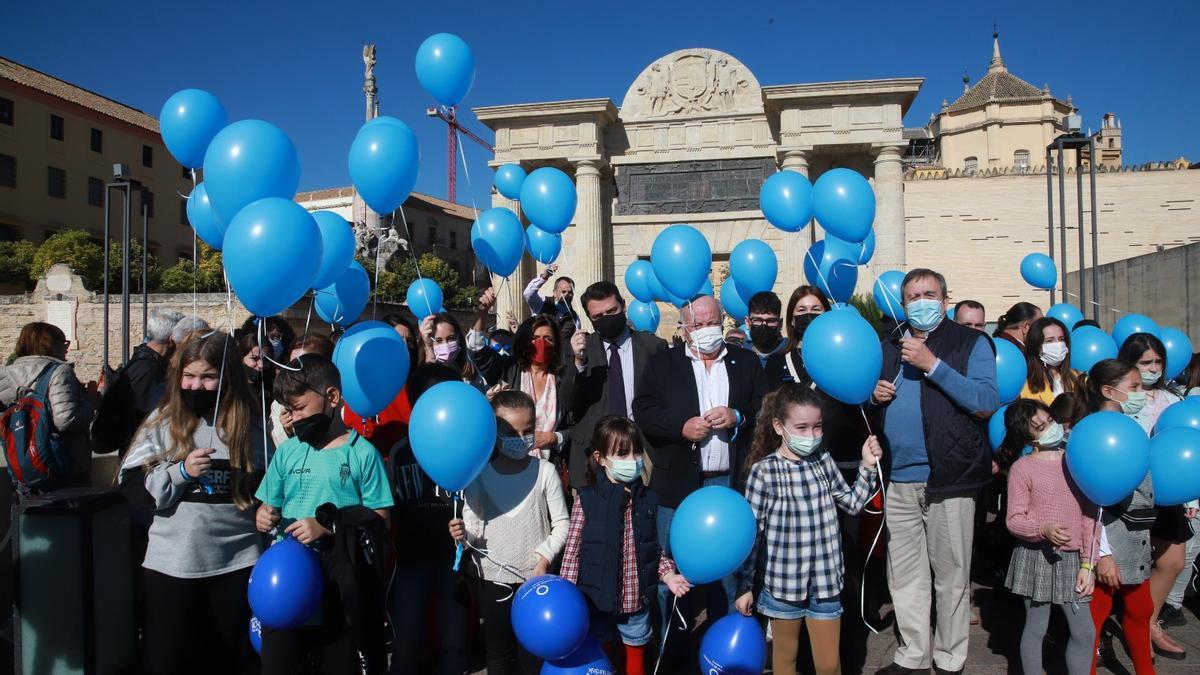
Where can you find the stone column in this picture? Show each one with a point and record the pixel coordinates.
(587, 260)
(889, 211)
(791, 270)
(508, 292)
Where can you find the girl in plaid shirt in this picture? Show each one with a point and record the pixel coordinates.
(612, 551)
(795, 490)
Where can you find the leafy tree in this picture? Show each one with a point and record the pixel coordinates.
(154, 267)
(400, 272)
(16, 259)
(209, 276)
(866, 307)
(76, 249)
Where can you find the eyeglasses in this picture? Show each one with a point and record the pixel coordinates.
(758, 322)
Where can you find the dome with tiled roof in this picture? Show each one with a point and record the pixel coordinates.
(998, 86)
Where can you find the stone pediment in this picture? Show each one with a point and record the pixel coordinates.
(692, 83)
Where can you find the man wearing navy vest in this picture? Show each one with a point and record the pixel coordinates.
(938, 383)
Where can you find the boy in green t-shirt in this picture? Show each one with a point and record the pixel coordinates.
(322, 463)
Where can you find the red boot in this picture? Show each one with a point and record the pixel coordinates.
(635, 660)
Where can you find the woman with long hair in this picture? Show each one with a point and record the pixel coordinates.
(1171, 530)
(195, 463)
(1189, 379)
(1014, 324)
(1048, 361)
(445, 342)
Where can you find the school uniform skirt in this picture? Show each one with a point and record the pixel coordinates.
(1044, 575)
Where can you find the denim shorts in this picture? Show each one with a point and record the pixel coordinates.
(823, 609)
(634, 629)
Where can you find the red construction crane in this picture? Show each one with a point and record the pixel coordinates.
(452, 129)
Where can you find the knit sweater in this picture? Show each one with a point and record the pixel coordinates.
(1041, 493)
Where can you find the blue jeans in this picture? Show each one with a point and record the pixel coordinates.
(633, 629)
(822, 609)
(414, 587)
(717, 596)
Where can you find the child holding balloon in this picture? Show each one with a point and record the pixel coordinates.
(795, 490)
(1056, 525)
(614, 526)
(322, 463)
(515, 523)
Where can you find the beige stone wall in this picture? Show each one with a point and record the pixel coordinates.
(977, 230)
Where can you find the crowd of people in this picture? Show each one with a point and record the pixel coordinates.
(228, 442)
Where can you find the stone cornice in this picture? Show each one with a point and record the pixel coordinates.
(492, 115)
(903, 88)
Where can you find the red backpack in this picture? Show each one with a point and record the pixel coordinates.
(31, 443)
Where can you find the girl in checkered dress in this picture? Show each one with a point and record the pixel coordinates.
(1055, 526)
(794, 571)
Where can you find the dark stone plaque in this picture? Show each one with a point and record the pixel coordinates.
(708, 186)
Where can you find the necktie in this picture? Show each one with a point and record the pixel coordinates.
(616, 382)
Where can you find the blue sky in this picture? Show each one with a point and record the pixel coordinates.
(299, 64)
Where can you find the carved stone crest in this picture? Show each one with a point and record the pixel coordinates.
(692, 82)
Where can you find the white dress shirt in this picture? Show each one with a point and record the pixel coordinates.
(712, 391)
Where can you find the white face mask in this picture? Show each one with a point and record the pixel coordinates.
(1054, 353)
(708, 339)
(1149, 377)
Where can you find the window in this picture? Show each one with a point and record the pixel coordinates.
(97, 140)
(970, 165)
(6, 111)
(432, 235)
(95, 192)
(147, 203)
(56, 182)
(1021, 159)
(147, 156)
(183, 219)
(8, 171)
(56, 127)
(1112, 142)
(454, 241)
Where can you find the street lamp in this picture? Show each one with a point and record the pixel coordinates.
(1073, 140)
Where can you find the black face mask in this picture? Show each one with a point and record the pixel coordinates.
(312, 429)
(610, 326)
(255, 376)
(800, 324)
(200, 401)
(765, 338)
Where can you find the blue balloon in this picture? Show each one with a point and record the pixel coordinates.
(453, 432)
(637, 280)
(247, 161)
(256, 634)
(374, 363)
(445, 67)
(1011, 370)
(1067, 313)
(548, 199)
(753, 266)
(337, 247)
(656, 288)
(285, 585)
(272, 252)
(681, 259)
(732, 301)
(786, 200)
(424, 297)
(1179, 351)
(1175, 466)
(1134, 323)
(341, 303)
(707, 289)
(1108, 455)
(498, 240)
(887, 293)
(1090, 345)
(844, 204)
(205, 221)
(734, 645)
(842, 354)
(543, 246)
(589, 659)
(550, 616)
(830, 266)
(950, 313)
(1039, 271)
(711, 534)
(996, 430)
(1183, 414)
(508, 180)
(188, 122)
(644, 316)
(384, 160)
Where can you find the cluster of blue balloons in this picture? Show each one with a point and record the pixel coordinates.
(841, 200)
(548, 200)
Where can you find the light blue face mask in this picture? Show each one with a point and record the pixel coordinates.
(803, 445)
(924, 314)
(1134, 402)
(1052, 437)
(626, 470)
(1149, 377)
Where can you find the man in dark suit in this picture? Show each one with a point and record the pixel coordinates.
(696, 405)
(613, 354)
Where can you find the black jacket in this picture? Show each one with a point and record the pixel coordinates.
(600, 553)
(502, 368)
(590, 395)
(667, 399)
(132, 395)
(358, 560)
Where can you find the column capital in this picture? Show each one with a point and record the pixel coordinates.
(794, 158)
(888, 152)
(589, 166)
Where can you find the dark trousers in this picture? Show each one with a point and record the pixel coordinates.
(504, 655)
(415, 589)
(329, 645)
(192, 624)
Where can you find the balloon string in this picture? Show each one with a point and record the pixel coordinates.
(195, 254)
(662, 648)
(466, 171)
(1093, 302)
(262, 391)
(412, 250)
(308, 319)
